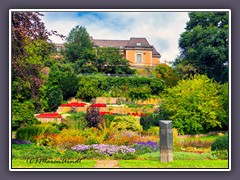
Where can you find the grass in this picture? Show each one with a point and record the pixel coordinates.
(19, 163)
(173, 164)
(205, 138)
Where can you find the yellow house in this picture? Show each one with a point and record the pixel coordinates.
(136, 50)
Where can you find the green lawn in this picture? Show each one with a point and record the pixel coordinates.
(205, 138)
(173, 164)
(19, 163)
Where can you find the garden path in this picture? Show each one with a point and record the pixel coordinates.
(106, 164)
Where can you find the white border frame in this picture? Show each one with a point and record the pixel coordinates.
(120, 10)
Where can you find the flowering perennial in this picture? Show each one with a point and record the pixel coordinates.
(75, 104)
(105, 149)
(49, 115)
(98, 105)
(154, 146)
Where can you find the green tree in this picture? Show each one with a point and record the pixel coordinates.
(23, 114)
(79, 49)
(55, 98)
(204, 44)
(109, 60)
(30, 53)
(166, 73)
(195, 105)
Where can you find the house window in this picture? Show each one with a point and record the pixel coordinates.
(138, 44)
(58, 49)
(121, 47)
(138, 58)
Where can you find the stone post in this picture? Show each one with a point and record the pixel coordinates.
(166, 141)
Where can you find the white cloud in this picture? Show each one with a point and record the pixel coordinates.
(162, 29)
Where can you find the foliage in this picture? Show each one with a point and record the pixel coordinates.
(166, 73)
(93, 117)
(88, 88)
(109, 60)
(64, 140)
(153, 130)
(30, 53)
(196, 144)
(194, 105)
(149, 121)
(220, 154)
(23, 114)
(221, 143)
(31, 132)
(204, 44)
(137, 93)
(64, 77)
(129, 87)
(79, 48)
(125, 123)
(55, 98)
(108, 119)
(76, 121)
(84, 59)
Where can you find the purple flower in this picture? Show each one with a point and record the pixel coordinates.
(105, 149)
(15, 141)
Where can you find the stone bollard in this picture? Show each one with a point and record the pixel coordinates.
(166, 141)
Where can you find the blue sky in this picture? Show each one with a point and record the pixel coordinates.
(162, 29)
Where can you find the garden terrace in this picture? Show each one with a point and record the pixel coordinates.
(49, 117)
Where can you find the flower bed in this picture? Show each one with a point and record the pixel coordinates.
(49, 115)
(75, 104)
(104, 149)
(98, 105)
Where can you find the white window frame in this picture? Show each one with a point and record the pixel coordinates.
(136, 58)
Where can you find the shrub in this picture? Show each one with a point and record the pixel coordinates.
(220, 154)
(135, 87)
(125, 123)
(137, 93)
(221, 143)
(154, 130)
(65, 140)
(194, 105)
(55, 97)
(23, 114)
(108, 119)
(93, 117)
(149, 121)
(31, 132)
(76, 121)
(196, 143)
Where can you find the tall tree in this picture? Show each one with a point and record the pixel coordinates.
(30, 51)
(109, 60)
(204, 45)
(79, 48)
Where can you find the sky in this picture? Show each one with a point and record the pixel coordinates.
(162, 29)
